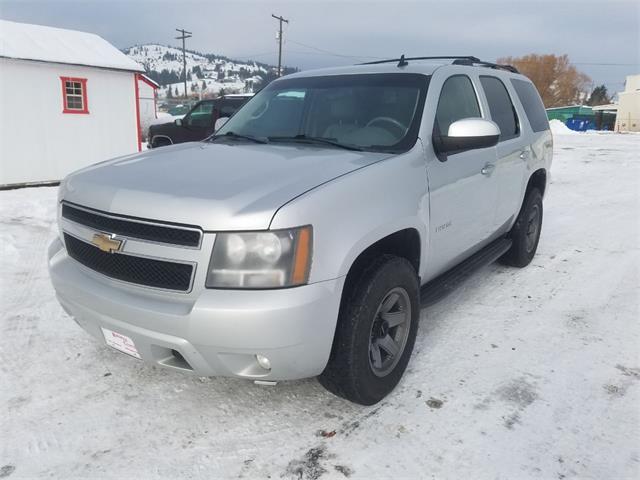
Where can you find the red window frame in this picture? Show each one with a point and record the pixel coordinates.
(65, 95)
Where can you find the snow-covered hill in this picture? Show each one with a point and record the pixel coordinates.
(206, 73)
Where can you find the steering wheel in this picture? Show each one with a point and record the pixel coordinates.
(390, 120)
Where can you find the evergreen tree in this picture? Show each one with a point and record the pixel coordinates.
(169, 94)
(599, 96)
(204, 86)
(176, 94)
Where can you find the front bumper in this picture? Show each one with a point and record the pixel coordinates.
(217, 332)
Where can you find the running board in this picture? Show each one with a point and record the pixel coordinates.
(441, 286)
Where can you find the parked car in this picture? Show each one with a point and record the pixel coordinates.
(197, 124)
(297, 241)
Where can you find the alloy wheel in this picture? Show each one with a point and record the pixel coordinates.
(389, 331)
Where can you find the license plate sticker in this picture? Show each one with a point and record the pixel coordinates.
(120, 342)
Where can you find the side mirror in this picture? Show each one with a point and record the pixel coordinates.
(178, 122)
(467, 134)
(219, 123)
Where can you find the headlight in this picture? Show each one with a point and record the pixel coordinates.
(267, 259)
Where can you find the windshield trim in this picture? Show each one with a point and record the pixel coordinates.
(318, 141)
(419, 80)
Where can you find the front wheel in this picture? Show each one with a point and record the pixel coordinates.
(376, 332)
(157, 142)
(525, 233)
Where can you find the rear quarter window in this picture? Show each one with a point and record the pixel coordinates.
(532, 104)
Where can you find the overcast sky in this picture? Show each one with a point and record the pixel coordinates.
(600, 36)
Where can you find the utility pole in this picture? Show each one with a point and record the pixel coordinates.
(280, 19)
(183, 37)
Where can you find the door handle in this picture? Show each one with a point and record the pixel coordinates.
(487, 169)
(524, 154)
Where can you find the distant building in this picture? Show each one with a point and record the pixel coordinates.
(628, 119)
(605, 116)
(623, 116)
(69, 99)
(576, 117)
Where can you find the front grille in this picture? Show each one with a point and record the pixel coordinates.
(143, 271)
(134, 229)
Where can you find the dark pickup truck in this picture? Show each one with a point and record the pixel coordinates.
(198, 123)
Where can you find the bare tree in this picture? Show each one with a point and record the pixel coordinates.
(558, 82)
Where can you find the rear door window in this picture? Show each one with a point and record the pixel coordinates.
(532, 103)
(501, 107)
(457, 101)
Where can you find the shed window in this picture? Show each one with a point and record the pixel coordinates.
(74, 95)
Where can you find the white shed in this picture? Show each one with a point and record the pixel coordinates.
(68, 99)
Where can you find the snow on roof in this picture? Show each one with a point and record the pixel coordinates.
(48, 44)
(150, 81)
(610, 106)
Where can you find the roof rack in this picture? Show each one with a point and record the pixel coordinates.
(403, 59)
(457, 60)
(509, 68)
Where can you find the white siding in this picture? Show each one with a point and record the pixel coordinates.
(38, 142)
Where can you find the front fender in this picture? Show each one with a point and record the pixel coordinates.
(350, 213)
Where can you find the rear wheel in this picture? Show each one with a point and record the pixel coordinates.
(525, 233)
(376, 332)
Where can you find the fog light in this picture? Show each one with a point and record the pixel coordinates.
(264, 362)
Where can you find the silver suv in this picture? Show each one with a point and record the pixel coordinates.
(297, 240)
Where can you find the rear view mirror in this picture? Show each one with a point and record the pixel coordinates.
(219, 123)
(467, 134)
(178, 122)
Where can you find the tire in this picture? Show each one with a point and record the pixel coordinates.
(360, 367)
(160, 142)
(525, 233)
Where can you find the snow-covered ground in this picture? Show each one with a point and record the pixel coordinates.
(529, 373)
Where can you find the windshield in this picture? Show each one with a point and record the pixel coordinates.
(377, 112)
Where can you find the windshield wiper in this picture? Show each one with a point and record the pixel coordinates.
(237, 135)
(302, 138)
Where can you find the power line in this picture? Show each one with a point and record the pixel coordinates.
(592, 64)
(607, 64)
(280, 19)
(250, 57)
(334, 54)
(183, 37)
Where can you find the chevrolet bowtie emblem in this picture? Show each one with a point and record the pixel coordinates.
(107, 243)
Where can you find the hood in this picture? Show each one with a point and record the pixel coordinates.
(212, 185)
(163, 124)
